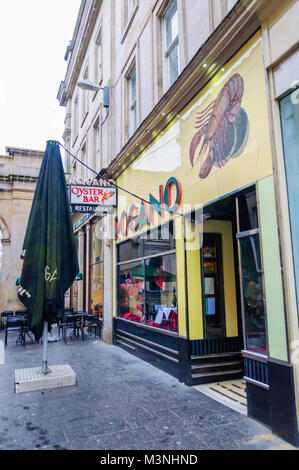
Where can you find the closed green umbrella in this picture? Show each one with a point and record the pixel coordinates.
(49, 250)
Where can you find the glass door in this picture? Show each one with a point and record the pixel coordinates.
(213, 285)
(251, 277)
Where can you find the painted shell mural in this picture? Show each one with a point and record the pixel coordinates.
(222, 128)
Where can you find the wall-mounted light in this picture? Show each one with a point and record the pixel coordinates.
(87, 85)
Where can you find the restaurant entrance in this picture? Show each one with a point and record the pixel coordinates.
(227, 321)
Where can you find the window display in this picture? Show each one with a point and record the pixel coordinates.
(160, 292)
(147, 287)
(131, 291)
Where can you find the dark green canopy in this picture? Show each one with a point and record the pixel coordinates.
(49, 251)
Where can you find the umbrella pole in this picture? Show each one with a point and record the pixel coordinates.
(45, 369)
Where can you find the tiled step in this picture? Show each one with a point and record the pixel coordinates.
(215, 366)
(210, 358)
(219, 375)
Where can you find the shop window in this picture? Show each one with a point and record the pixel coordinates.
(160, 292)
(289, 110)
(213, 285)
(96, 289)
(147, 292)
(147, 286)
(130, 249)
(253, 297)
(171, 34)
(96, 270)
(158, 240)
(131, 291)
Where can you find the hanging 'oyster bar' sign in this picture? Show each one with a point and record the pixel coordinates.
(92, 198)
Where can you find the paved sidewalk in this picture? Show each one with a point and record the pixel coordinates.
(120, 402)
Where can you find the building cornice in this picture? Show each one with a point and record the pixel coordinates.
(17, 151)
(88, 14)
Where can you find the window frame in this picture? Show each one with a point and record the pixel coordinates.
(98, 54)
(75, 118)
(132, 112)
(97, 151)
(242, 233)
(128, 15)
(84, 96)
(169, 48)
(83, 157)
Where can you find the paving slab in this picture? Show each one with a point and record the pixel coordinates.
(118, 403)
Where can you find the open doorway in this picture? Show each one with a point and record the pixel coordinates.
(233, 319)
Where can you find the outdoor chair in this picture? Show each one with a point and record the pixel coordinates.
(92, 324)
(69, 322)
(60, 321)
(4, 315)
(15, 326)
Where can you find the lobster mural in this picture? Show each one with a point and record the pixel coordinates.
(223, 126)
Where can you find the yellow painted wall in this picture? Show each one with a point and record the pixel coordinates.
(195, 316)
(168, 155)
(181, 289)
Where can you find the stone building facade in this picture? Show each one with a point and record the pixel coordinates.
(19, 170)
(226, 70)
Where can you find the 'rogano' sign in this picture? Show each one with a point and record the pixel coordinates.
(137, 216)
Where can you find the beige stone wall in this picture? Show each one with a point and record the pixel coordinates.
(15, 204)
(140, 39)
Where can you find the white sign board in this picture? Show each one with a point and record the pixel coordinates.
(93, 196)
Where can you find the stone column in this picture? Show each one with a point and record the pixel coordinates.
(81, 264)
(87, 261)
(108, 280)
(6, 280)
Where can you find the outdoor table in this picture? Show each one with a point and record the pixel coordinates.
(79, 323)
